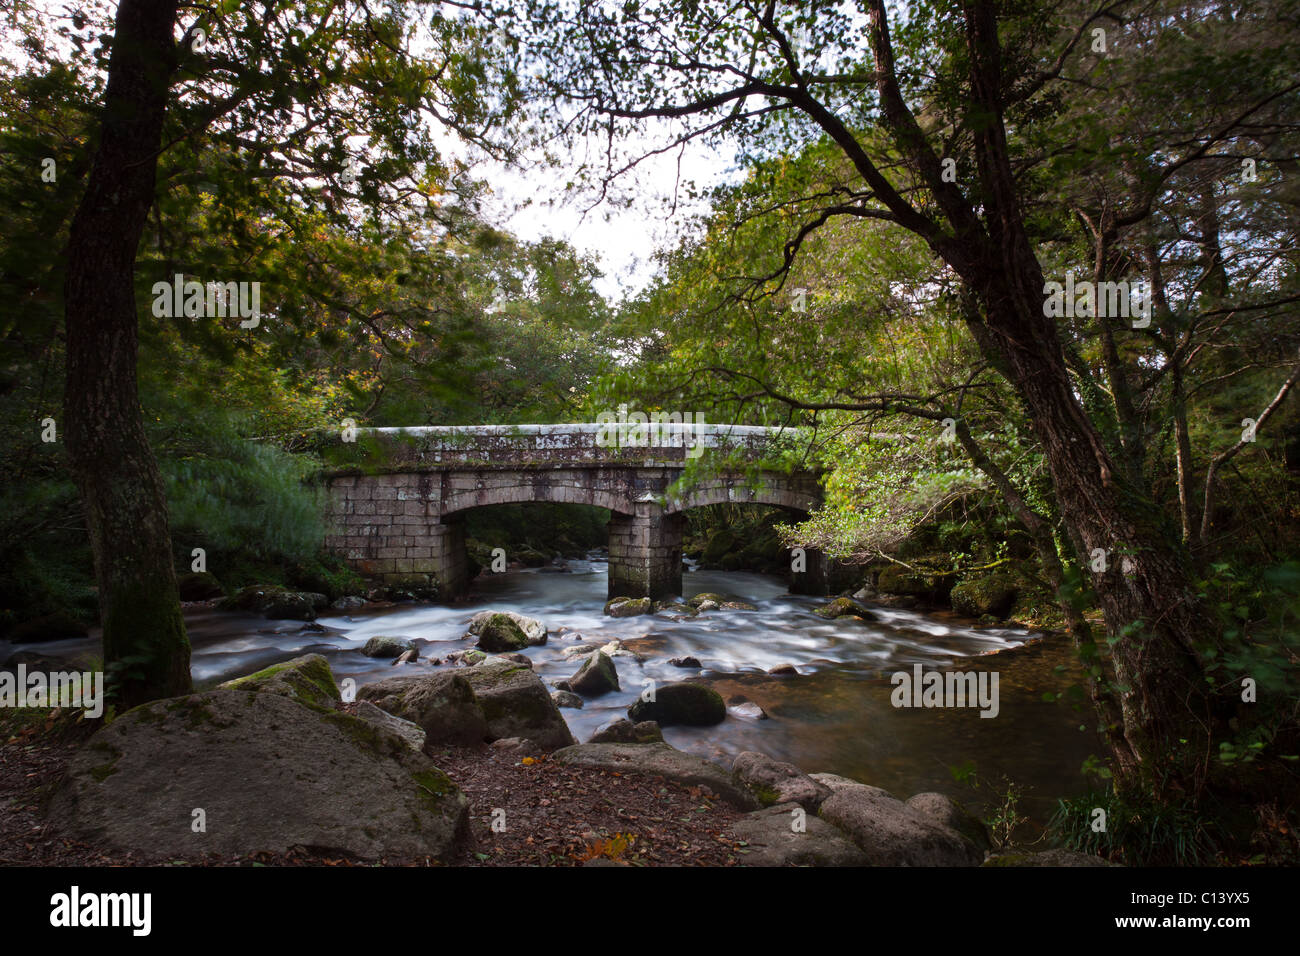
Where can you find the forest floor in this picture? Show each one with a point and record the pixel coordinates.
(553, 815)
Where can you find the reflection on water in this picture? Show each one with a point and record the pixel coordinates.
(834, 716)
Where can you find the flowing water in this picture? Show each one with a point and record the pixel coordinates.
(834, 716)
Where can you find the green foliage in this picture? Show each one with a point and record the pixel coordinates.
(1138, 831)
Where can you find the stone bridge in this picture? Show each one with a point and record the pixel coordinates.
(398, 496)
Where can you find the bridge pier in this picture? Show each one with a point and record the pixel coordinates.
(645, 552)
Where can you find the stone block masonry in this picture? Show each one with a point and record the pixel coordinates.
(402, 520)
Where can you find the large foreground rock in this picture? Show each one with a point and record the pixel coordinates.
(660, 760)
(773, 840)
(268, 773)
(949, 813)
(307, 679)
(891, 833)
(517, 704)
(443, 705)
(692, 705)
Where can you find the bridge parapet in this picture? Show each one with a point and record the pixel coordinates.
(598, 444)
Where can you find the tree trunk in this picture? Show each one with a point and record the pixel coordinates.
(145, 646)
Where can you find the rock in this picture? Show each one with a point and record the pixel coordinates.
(581, 650)
(628, 607)
(866, 593)
(1055, 857)
(442, 704)
(534, 630)
(412, 733)
(349, 602)
(382, 645)
(783, 670)
(992, 595)
(709, 605)
(843, 606)
(685, 662)
(835, 782)
(660, 760)
(738, 606)
(892, 834)
(949, 813)
(517, 704)
(275, 602)
(515, 658)
(775, 782)
(307, 679)
(199, 586)
(596, 676)
(269, 774)
(499, 632)
(675, 607)
(623, 731)
(712, 596)
(408, 657)
(58, 626)
(681, 703)
(773, 840)
(744, 707)
(311, 627)
(521, 745)
(564, 698)
(469, 657)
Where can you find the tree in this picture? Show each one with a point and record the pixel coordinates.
(952, 89)
(285, 86)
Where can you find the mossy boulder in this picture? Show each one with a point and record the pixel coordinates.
(499, 633)
(384, 645)
(268, 774)
(307, 679)
(199, 586)
(712, 596)
(443, 705)
(596, 676)
(845, 607)
(682, 702)
(534, 630)
(517, 704)
(990, 594)
(628, 606)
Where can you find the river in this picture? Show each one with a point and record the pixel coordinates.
(834, 716)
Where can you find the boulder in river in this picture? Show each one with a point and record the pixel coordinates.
(774, 782)
(628, 607)
(517, 704)
(564, 698)
(787, 835)
(276, 603)
(845, 607)
(693, 705)
(711, 596)
(691, 662)
(268, 774)
(659, 760)
(891, 833)
(349, 602)
(383, 645)
(596, 676)
(535, 632)
(307, 679)
(499, 632)
(442, 704)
